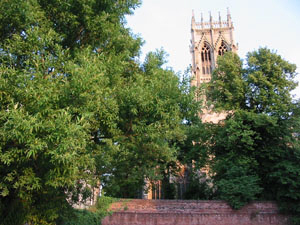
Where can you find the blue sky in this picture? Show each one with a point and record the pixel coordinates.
(258, 23)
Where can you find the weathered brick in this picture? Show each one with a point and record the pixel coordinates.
(179, 212)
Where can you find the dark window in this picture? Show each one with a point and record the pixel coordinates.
(222, 48)
(205, 53)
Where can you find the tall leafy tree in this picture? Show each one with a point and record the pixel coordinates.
(58, 62)
(256, 148)
(151, 107)
(76, 106)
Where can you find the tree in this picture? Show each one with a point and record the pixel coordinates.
(77, 106)
(151, 112)
(55, 78)
(256, 148)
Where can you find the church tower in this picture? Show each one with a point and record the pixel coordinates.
(209, 40)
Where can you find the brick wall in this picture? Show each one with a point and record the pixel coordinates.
(178, 212)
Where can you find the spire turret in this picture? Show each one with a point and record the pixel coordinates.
(210, 19)
(220, 20)
(193, 20)
(229, 18)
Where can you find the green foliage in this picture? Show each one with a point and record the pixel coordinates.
(80, 217)
(199, 187)
(168, 190)
(76, 106)
(9, 209)
(191, 124)
(55, 93)
(151, 116)
(269, 79)
(227, 88)
(91, 216)
(104, 202)
(238, 186)
(256, 148)
(263, 86)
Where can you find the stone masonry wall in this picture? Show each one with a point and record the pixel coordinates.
(179, 212)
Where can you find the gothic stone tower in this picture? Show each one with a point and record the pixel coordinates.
(210, 39)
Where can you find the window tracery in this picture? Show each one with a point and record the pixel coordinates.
(206, 59)
(205, 53)
(222, 48)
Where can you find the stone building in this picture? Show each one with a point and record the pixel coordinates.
(210, 39)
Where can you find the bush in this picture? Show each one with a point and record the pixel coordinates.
(199, 188)
(237, 187)
(91, 216)
(81, 217)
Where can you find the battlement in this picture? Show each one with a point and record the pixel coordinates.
(212, 25)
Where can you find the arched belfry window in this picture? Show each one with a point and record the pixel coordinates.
(205, 53)
(206, 59)
(222, 48)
